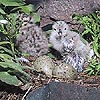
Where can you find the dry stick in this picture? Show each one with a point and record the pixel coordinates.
(26, 93)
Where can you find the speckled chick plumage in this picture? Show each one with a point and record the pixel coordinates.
(69, 44)
(31, 39)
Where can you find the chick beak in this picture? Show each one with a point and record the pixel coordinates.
(60, 32)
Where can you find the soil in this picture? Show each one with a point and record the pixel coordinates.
(9, 92)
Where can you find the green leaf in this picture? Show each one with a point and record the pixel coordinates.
(9, 79)
(19, 1)
(11, 2)
(6, 50)
(92, 66)
(95, 47)
(2, 11)
(98, 67)
(5, 56)
(1, 17)
(10, 64)
(26, 9)
(36, 17)
(91, 72)
(51, 55)
(16, 66)
(88, 69)
(4, 42)
(85, 32)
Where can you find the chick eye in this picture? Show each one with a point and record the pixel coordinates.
(65, 28)
(54, 29)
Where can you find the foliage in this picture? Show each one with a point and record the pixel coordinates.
(11, 71)
(91, 25)
(12, 6)
(94, 68)
(9, 65)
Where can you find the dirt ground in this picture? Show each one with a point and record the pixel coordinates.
(8, 92)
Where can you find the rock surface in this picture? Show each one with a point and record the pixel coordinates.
(44, 64)
(65, 71)
(64, 9)
(64, 91)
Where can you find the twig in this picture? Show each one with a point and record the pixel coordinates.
(26, 93)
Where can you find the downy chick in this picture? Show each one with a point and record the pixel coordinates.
(56, 35)
(31, 39)
(69, 44)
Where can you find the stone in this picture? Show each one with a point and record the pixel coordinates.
(44, 64)
(64, 91)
